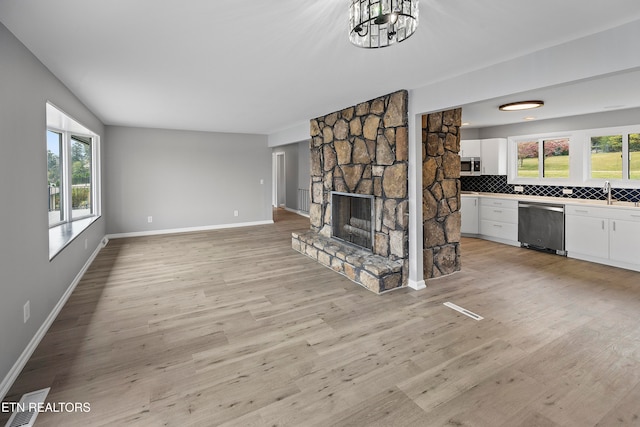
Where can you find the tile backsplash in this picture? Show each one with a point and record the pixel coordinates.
(498, 184)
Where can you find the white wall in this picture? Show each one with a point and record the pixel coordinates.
(25, 270)
(296, 133)
(184, 179)
(630, 116)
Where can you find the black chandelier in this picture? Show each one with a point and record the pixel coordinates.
(381, 23)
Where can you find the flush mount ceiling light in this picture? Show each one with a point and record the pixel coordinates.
(381, 23)
(521, 105)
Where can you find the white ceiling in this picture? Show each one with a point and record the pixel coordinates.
(258, 66)
(607, 93)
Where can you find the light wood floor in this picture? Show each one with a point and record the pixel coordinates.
(232, 327)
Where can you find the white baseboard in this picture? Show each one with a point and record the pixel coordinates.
(17, 367)
(187, 229)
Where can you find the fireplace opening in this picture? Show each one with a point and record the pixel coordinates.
(352, 218)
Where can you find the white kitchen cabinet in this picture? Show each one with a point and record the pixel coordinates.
(493, 156)
(586, 235)
(498, 220)
(606, 235)
(624, 240)
(492, 153)
(469, 214)
(470, 148)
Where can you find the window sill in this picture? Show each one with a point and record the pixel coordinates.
(61, 235)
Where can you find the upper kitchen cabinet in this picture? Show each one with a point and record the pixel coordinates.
(470, 148)
(492, 153)
(493, 156)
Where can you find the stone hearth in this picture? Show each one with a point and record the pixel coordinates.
(374, 272)
(362, 149)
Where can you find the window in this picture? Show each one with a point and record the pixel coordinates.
(556, 158)
(528, 159)
(69, 155)
(72, 177)
(606, 157)
(615, 156)
(543, 158)
(585, 157)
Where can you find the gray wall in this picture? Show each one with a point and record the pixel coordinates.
(304, 165)
(469, 133)
(184, 179)
(25, 270)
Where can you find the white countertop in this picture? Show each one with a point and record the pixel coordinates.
(544, 199)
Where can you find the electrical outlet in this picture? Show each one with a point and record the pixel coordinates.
(149, 219)
(518, 188)
(26, 311)
(567, 191)
(235, 213)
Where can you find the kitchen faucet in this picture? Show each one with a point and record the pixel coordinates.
(607, 189)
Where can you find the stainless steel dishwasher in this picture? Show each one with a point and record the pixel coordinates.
(541, 226)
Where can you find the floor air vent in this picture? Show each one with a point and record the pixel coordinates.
(463, 311)
(26, 411)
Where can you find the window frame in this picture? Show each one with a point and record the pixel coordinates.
(625, 132)
(66, 166)
(60, 219)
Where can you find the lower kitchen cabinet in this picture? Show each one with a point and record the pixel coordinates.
(624, 241)
(606, 235)
(586, 235)
(499, 220)
(469, 214)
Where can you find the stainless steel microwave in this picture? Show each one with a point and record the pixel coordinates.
(470, 166)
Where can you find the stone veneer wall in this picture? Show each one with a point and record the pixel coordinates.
(441, 192)
(364, 150)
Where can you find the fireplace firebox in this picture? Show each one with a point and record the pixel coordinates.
(352, 218)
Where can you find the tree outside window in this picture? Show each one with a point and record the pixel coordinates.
(555, 158)
(528, 162)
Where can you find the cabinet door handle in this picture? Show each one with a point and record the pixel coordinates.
(582, 211)
(497, 211)
(497, 225)
(614, 226)
(475, 202)
(635, 216)
(603, 224)
(497, 203)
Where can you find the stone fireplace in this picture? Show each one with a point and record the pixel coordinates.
(352, 218)
(361, 152)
